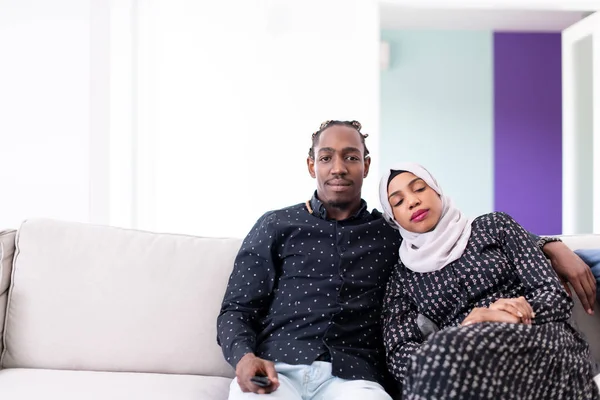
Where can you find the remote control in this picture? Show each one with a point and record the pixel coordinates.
(261, 381)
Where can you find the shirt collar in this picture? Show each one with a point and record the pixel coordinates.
(320, 211)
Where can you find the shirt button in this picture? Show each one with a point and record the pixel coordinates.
(343, 249)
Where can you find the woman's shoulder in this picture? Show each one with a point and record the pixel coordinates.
(492, 218)
(492, 223)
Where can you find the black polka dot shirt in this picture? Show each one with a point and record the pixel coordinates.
(305, 287)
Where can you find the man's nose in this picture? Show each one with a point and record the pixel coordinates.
(339, 167)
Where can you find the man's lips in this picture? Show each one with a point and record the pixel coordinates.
(419, 215)
(339, 185)
(339, 182)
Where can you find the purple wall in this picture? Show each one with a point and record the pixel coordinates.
(528, 129)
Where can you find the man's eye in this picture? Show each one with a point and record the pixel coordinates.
(353, 158)
(324, 159)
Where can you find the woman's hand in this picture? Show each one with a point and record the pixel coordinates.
(518, 307)
(488, 315)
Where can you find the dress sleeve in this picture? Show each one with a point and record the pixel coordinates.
(541, 241)
(543, 290)
(248, 293)
(401, 333)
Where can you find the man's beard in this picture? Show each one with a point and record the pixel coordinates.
(340, 205)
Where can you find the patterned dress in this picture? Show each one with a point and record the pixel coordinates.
(545, 360)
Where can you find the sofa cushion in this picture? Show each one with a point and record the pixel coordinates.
(87, 297)
(7, 251)
(27, 384)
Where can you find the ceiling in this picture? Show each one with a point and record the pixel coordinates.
(397, 17)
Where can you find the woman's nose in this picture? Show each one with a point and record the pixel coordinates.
(413, 202)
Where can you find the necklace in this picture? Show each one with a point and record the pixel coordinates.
(308, 207)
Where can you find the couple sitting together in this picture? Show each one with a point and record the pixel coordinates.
(330, 301)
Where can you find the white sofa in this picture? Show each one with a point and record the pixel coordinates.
(93, 312)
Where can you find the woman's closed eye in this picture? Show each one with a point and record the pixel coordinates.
(416, 190)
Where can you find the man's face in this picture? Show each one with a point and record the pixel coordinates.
(339, 166)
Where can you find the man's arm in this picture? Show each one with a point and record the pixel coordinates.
(570, 268)
(248, 293)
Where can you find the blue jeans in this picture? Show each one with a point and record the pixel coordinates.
(314, 382)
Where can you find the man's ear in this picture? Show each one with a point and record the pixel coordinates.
(310, 163)
(367, 166)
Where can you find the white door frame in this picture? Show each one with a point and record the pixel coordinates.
(557, 5)
(587, 27)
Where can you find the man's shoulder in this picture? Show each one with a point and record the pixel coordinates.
(286, 210)
(377, 215)
(274, 215)
(270, 221)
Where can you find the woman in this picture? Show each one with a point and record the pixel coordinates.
(473, 310)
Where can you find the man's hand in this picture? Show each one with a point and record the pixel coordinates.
(518, 307)
(488, 315)
(249, 366)
(570, 268)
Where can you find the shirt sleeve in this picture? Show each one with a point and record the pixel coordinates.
(401, 333)
(248, 293)
(543, 290)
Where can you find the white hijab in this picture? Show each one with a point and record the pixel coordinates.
(431, 251)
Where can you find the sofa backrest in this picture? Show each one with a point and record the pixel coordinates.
(576, 242)
(86, 297)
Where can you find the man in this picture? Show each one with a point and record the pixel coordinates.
(303, 303)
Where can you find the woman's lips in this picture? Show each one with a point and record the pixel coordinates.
(419, 215)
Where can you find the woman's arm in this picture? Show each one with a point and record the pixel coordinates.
(402, 334)
(543, 290)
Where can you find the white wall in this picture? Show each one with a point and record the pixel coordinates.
(170, 115)
(134, 121)
(437, 109)
(228, 96)
(44, 110)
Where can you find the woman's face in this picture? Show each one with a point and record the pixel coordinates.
(416, 206)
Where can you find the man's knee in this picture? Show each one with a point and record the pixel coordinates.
(358, 390)
(285, 392)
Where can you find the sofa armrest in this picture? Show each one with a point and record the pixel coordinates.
(7, 251)
(589, 327)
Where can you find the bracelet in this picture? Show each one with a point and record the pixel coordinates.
(544, 240)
